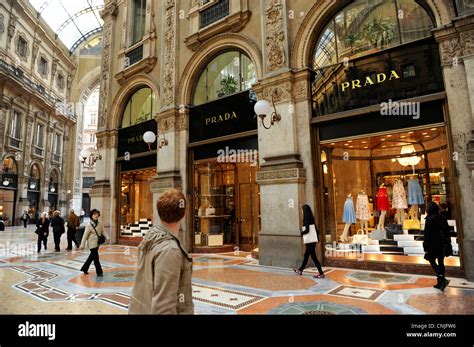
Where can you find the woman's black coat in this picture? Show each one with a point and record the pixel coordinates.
(437, 240)
(43, 227)
(58, 225)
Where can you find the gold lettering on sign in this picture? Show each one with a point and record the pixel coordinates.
(381, 78)
(220, 118)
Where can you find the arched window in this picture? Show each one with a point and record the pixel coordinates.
(35, 172)
(369, 26)
(9, 166)
(53, 176)
(228, 73)
(141, 106)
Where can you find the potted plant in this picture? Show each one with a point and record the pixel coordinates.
(229, 86)
(379, 32)
(143, 117)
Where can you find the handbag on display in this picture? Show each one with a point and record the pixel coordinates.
(311, 236)
(210, 211)
(360, 238)
(379, 234)
(412, 223)
(393, 229)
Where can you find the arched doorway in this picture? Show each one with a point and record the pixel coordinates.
(226, 204)
(34, 191)
(8, 190)
(136, 164)
(53, 190)
(379, 117)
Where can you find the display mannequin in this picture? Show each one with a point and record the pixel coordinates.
(415, 196)
(348, 217)
(399, 201)
(383, 205)
(363, 211)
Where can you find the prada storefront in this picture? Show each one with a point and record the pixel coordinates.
(136, 167)
(382, 136)
(223, 150)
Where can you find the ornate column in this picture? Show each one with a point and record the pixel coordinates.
(102, 192)
(3, 125)
(283, 176)
(456, 46)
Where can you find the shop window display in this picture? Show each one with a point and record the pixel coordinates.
(136, 202)
(226, 203)
(369, 26)
(392, 178)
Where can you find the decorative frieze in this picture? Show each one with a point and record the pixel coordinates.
(169, 54)
(295, 175)
(174, 122)
(451, 51)
(274, 35)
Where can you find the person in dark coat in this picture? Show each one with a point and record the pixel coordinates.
(437, 243)
(72, 226)
(42, 229)
(57, 222)
(308, 219)
(25, 217)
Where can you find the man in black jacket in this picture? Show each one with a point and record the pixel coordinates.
(57, 223)
(437, 243)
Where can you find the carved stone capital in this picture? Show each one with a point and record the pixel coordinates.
(172, 120)
(110, 10)
(100, 189)
(166, 180)
(281, 170)
(107, 139)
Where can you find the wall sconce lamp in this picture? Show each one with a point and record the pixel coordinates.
(5, 183)
(149, 137)
(89, 157)
(263, 109)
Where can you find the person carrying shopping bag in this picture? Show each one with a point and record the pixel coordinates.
(310, 238)
(94, 235)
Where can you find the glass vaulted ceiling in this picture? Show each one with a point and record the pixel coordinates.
(72, 20)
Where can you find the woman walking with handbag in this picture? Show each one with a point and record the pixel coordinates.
(437, 243)
(42, 230)
(94, 235)
(310, 238)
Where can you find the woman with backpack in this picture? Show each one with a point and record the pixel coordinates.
(94, 235)
(308, 225)
(437, 243)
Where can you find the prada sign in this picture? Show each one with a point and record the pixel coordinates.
(369, 81)
(402, 72)
(226, 116)
(130, 140)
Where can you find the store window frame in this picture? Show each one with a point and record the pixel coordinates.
(333, 39)
(240, 82)
(38, 148)
(154, 103)
(43, 66)
(137, 27)
(22, 47)
(15, 129)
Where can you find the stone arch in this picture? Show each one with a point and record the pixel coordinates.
(301, 52)
(122, 96)
(12, 157)
(219, 44)
(55, 170)
(40, 167)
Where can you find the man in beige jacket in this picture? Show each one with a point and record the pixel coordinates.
(163, 281)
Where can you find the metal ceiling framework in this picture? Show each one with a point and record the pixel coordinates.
(73, 21)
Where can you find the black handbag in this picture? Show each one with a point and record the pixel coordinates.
(101, 238)
(393, 229)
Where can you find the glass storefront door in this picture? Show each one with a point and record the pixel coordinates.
(226, 204)
(7, 205)
(136, 202)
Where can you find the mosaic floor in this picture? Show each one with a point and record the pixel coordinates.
(51, 283)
